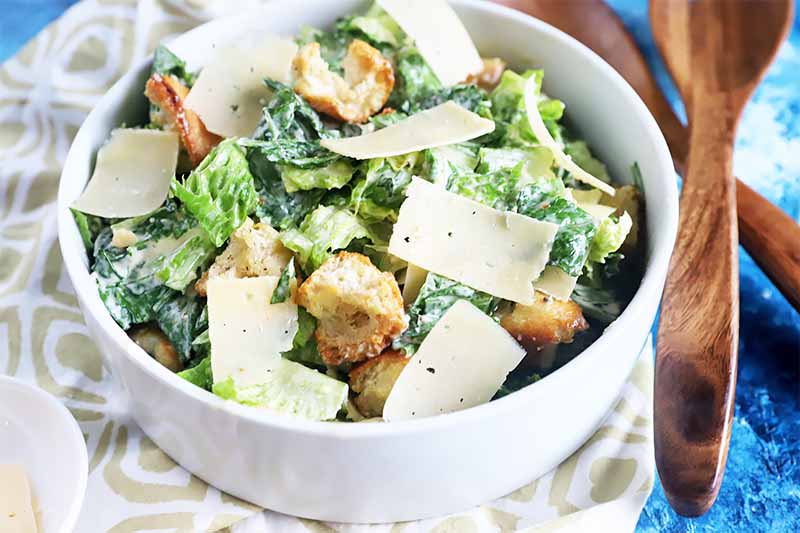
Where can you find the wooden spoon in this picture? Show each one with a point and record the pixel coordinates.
(717, 51)
(766, 232)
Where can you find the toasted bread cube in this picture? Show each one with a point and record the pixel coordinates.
(359, 308)
(168, 94)
(489, 77)
(541, 326)
(366, 86)
(254, 250)
(373, 380)
(153, 341)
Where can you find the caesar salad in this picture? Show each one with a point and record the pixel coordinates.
(368, 221)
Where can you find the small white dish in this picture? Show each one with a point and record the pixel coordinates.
(39, 433)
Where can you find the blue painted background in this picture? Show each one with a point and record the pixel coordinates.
(761, 491)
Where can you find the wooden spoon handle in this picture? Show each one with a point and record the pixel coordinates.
(773, 240)
(695, 375)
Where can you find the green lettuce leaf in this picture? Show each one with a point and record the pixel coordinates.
(435, 297)
(304, 345)
(332, 176)
(414, 79)
(496, 189)
(378, 195)
(323, 231)
(132, 281)
(582, 156)
(440, 164)
(275, 206)
(283, 290)
(220, 192)
(200, 374)
(610, 235)
(288, 116)
(166, 63)
(177, 318)
(292, 389)
(89, 227)
(576, 227)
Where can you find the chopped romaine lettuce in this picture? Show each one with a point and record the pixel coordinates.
(89, 227)
(290, 388)
(496, 189)
(576, 226)
(435, 297)
(378, 195)
(177, 318)
(298, 153)
(323, 231)
(332, 176)
(132, 280)
(166, 63)
(375, 26)
(580, 153)
(220, 192)
(610, 235)
(304, 345)
(200, 374)
(288, 116)
(283, 290)
(440, 164)
(600, 304)
(414, 79)
(275, 206)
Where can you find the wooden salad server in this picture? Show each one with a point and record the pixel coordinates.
(766, 231)
(717, 52)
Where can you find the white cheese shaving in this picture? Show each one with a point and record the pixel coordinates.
(598, 211)
(461, 363)
(497, 252)
(447, 123)
(439, 36)
(229, 93)
(132, 175)
(16, 505)
(247, 333)
(544, 137)
(556, 283)
(415, 278)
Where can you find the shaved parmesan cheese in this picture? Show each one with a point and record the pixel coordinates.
(16, 506)
(415, 278)
(461, 363)
(541, 132)
(493, 251)
(447, 123)
(598, 211)
(439, 36)
(556, 283)
(132, 175)
(247, 333)
(592, 196)
(230, 93)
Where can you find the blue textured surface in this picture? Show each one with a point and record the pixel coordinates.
(761, 491)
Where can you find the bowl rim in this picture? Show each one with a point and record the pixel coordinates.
(70, 424)
(650, 286)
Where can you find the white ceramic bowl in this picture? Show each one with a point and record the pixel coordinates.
(32, 422)
(405, 470)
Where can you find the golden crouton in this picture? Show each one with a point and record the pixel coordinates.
(367, 83)
(153, 341)
(168, 93)
(489, 77)
(373, 380)
(254, 250)
(628, 198)
(359, 308)
(543, 324)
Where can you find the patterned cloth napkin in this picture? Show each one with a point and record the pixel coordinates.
(45, 93)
